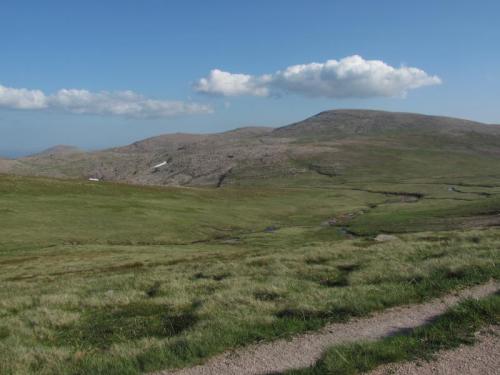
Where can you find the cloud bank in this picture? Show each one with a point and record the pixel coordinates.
(118, 103)
(350, 77)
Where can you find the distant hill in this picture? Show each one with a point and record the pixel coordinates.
(6, 164)
(330, 147)
(57, 150)
(349, 123)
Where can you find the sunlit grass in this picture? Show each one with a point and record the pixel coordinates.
(454, 328)
(114, 279)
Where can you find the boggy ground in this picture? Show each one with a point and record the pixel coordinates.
(114, 279)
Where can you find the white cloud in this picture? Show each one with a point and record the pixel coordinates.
(120, 103)
(22, 98)
(229, 84)
(349, 77)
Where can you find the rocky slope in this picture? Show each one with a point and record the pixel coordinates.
(340, 144)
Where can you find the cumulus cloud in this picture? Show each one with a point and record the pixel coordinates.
(120, 103)
(349, 77)
(22, 98)
(230, 84)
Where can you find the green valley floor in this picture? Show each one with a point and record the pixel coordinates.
(103, 278)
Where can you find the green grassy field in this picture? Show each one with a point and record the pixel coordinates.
(115, 279)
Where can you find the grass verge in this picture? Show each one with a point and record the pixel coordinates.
(456, 327)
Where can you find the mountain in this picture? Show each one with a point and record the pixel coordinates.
(57, 151)
(6, 164)
(355, 123)
(330, 147)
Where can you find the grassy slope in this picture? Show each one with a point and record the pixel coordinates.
(108, 278)
(83, 212)
(456, 327)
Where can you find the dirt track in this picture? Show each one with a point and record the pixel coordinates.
(304, 350)
(480, 359)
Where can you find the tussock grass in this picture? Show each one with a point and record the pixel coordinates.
(113, 279)
(101, 327)
(454, 328)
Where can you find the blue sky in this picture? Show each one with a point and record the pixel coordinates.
(103, 73)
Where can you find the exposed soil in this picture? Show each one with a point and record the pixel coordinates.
(304, 350)
(480, 359)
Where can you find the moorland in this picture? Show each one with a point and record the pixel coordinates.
(245, 236)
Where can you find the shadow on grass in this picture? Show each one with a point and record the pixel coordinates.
(102, 327)
(416, 289)
(456, 327)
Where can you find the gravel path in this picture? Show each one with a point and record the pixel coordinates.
(304, 350)
(482, 358)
